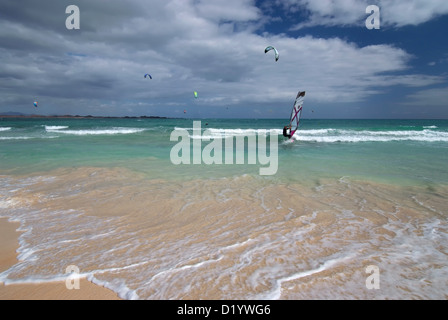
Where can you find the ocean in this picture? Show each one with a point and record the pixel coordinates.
(351, 209)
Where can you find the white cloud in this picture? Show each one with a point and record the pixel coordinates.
(333, 12)
(187, 46)
(228, 10)
(437, 97)
(396, 13)
(401, 13)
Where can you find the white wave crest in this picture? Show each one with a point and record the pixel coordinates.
(49, 128)
(336, 135)
(15, 138)
(111, 131)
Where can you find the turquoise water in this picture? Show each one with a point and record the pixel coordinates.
(104, 195)
(394, 151)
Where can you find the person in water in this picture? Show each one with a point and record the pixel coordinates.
(287, 131)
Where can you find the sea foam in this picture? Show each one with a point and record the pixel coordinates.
(110, 131)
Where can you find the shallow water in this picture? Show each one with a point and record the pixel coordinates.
(148, 229)
(237, 238)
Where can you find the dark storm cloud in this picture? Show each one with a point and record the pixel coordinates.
(206, 46)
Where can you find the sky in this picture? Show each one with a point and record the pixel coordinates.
(216, 47)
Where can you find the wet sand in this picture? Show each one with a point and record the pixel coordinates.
(47, 291)
(219, 239)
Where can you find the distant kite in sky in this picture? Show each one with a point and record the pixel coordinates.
(269, 48)
(195, 94)
(35, 103)
(148, 75)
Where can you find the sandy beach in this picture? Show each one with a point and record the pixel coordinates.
(48, 291)
(105, 197)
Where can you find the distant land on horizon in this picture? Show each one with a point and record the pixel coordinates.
(12, 114)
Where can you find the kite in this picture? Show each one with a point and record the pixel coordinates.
(269, 48)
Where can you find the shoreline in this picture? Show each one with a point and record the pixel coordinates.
(9, 239)
(36, 116)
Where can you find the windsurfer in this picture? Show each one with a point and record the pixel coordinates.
(287, 131)
(296, 112)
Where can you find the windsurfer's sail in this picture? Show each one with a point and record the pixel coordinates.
(296, 112)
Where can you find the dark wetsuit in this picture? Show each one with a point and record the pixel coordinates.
(286, 133)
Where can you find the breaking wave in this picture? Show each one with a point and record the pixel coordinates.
(338, 135)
